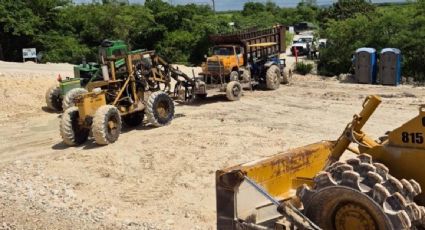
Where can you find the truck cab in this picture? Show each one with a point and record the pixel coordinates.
(224, 60)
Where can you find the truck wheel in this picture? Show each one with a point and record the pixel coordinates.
(284, 78)
(133, 119)
(68, 100)
(71, 131)
(106, 125)
(361, 194)
(54, 98)
(160, 109)
(233, 91)
(234, 75)
(273, 77)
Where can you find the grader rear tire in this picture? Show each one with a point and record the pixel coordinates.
(273, 77)
(106, 126)
(53, 98)
(68, 100)
(134, 119)
(233, 91)
(71, 131)
(160, 109)
(361, 194)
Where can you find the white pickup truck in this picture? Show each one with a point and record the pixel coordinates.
(301, 44)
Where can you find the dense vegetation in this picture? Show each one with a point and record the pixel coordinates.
(66, 32)
(400, 27)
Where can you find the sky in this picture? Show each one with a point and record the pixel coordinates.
(223, 5)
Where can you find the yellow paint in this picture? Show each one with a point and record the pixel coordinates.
(89, 103)
(228, 62)
(265, 44)
(283, 173)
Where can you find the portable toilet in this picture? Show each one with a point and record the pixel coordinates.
(390, 66)
(365, 65)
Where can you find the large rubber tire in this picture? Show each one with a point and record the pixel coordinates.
(284, 78)
(54, 98)
(133, 119)
(360, 194)
(68, 100)
(106, 126)
(71, 131)
(234, 75)
(159, 109)
(273, 77)
(233, 91)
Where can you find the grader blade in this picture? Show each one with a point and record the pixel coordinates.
(280, 175)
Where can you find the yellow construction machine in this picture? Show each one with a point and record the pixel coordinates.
(312, 188)
(124, 97)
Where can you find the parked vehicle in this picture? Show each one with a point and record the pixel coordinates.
(244, 59)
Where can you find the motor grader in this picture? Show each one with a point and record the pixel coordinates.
(125, 99)
(313, 188)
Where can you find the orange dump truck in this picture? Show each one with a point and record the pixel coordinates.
(245, 59)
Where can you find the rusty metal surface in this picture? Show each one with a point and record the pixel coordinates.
(279, 175)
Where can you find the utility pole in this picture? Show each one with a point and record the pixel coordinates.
(213, 2)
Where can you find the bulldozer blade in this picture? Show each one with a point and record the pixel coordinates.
(280, 175)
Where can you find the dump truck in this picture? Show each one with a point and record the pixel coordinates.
(245, 59)
(60, 96)
(311, 187)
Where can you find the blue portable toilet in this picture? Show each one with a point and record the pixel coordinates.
(390, 66)
(365, 65)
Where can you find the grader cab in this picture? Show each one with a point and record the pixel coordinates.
(311, 188)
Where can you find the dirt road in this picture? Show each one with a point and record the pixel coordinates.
(162, 178)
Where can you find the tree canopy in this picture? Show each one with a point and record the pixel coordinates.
(66, 32)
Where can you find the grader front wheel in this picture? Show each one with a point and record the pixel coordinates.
(361, 194)
(106, 126)
(71, 131)
(160, 109)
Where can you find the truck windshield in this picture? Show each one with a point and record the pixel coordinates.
(223, 51)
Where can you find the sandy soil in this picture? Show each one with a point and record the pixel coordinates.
(162, 178)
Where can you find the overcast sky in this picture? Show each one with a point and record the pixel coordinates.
(223, 5)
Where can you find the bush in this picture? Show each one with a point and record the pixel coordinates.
(303, 68)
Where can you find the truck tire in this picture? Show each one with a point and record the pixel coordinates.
(234, 75)
(284, 78)
(68, 100)
(273, 77)
(159, 109)
(71, 131)
(361, 192)
(106, 126)
(233, 91)
(133, 119)
(54, 98)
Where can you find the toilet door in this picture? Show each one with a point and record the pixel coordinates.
(363, 67)
(388, 68)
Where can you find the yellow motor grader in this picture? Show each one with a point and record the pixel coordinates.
(123, 97)
(312, 188)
